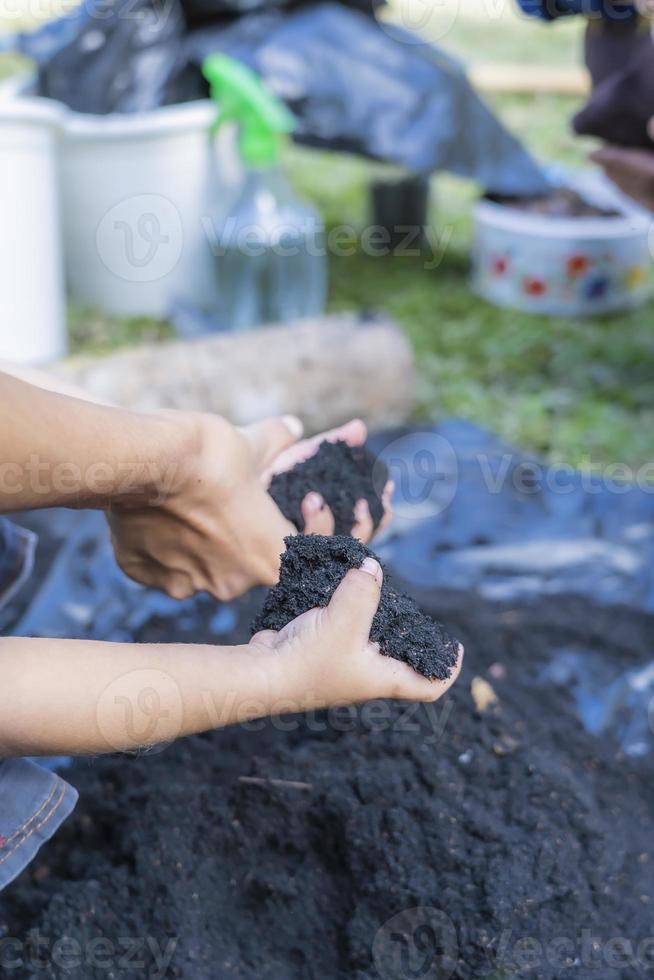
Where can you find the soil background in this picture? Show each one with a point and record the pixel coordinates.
(516, 826)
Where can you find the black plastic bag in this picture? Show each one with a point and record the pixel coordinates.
(125, 58)
(205, 12)
(373, 89)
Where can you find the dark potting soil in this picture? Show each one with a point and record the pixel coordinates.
(281, 850)
(312, 569)
(343, 475)
(560, 203)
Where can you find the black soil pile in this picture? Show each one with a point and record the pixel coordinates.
(559, 203)
(312, 569)
(279, 851)
(342, 475)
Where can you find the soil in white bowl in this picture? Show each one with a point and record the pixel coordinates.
(561, 202)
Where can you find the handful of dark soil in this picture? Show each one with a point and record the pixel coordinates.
(341, 474)
(312, 569)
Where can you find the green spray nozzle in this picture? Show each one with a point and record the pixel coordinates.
(243, 98)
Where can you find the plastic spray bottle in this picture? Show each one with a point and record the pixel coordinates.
(269, 247)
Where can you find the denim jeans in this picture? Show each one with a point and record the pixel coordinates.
(34, 801)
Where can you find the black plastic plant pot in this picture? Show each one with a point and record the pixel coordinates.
(401, 207)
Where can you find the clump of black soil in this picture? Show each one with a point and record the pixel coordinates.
(312, 569)
(561, 202)
(279, 850)
(342, 475)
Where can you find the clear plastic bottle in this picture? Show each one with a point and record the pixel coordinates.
(269, 246)
(270, 256)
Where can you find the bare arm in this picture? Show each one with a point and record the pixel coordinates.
(76, 697)
(62, 451)
(185, 493)
(44, 379)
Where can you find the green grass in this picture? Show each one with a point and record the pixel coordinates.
(90, 331)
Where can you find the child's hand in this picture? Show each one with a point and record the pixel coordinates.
(324, 657)
(209, 524)
(318, 518)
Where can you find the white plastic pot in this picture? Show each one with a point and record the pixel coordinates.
(564, 266)
(32, 302)
(138, 192)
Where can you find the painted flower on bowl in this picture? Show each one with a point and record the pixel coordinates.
(596, 287)
(499, 265)
(635, 277)
(578, 265)
(533, 286)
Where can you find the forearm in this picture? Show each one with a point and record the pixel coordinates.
(60, 451)
(77, 697)
(48, 381)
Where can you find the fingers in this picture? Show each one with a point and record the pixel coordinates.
(272, 436)
(409, 685)
(355, 601)
(266, 639)
(353, 433)
(318, 518)
(387, 501)
(363, 527)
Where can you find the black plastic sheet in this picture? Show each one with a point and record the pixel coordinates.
(358, 86)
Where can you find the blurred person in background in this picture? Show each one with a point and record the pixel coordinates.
(619, 53)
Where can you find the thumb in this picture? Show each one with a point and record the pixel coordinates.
(355, 601)
(272, 436)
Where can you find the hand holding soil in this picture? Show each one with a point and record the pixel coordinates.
(312, 572)
(328, 485)
(345, 481)
(214, 528)
(324, 657)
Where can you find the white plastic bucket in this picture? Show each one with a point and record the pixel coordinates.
(32, 302)
(138, 190)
